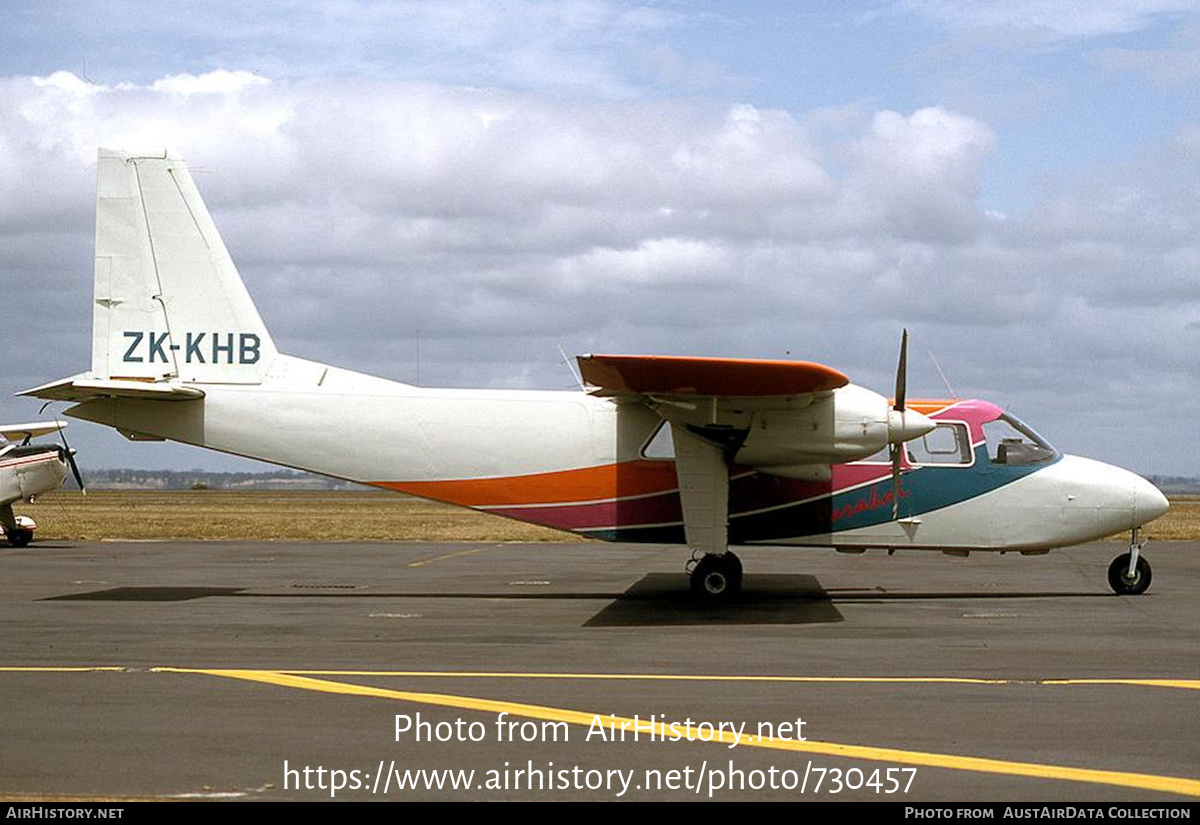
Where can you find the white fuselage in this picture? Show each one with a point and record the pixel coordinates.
(448, 444)
(26, 476)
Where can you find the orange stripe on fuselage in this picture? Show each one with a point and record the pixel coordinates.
(608, 481)
(926, 406)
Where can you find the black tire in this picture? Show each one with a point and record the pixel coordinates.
(735, 570)
(1119, 580)
(717, 578)
(20, 537)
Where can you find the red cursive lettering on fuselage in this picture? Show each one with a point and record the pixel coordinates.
(865, 504)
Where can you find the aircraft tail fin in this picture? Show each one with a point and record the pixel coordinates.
(169, 303)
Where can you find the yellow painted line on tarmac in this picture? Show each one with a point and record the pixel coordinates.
(1165, 784)
(1183, 684)
(472, 551)
(1179, 684)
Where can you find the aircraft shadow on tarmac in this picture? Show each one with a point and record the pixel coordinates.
(664, 599)
(147, 594)
(657, 599)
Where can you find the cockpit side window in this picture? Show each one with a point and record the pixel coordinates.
(948, 443)
(1013, 443)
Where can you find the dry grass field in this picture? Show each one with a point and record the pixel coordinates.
(1182, 522)
(261, 514)
(331, 515)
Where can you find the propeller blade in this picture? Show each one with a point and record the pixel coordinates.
(75, 471)
(69, 454)
(898, 406)
(902, 373)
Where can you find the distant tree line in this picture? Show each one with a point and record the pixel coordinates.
(126, 479)
(1176, 485)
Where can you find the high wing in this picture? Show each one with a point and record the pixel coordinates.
(787, 418)
(24, 432)
(793, 419)
(676, 375)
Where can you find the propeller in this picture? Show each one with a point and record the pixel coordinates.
(69, 455)
(903, 424)
(898, 406)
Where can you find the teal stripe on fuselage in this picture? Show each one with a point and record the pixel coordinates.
(924, 489)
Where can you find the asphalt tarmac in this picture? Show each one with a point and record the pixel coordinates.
(223, 670)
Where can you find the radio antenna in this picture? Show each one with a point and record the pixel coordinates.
(938, 367)
(567, 362)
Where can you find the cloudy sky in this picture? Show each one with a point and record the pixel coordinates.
(480, 183)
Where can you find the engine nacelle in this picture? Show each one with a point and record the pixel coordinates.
(799, 436)
(844, 425)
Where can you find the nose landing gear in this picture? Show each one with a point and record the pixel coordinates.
(1129, 573)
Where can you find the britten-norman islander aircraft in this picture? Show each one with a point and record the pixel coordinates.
(28, 470)
(707, 452)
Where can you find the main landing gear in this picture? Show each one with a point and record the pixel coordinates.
(19, 536)
(18, 530)
(716, 578)
(1129, 573)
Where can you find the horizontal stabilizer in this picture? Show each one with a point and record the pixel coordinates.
(80, 389)
(676, 375)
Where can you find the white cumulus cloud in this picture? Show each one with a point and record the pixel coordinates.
(501, 223)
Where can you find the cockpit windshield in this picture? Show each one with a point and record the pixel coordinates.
(1012, 442)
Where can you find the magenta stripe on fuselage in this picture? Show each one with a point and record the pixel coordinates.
(749, 491)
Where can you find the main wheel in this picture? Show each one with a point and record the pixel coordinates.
(717, 578)
(1121, 582)
(735, 569)
(19, 537)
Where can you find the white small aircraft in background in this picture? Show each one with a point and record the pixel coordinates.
(706, 452)
(28, 470)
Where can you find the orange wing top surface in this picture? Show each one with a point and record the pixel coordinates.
(680, 375)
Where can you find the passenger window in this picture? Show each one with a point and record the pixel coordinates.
(948, 443)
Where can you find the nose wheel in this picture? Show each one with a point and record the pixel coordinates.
(717, 578)
(1129, 573)
(1120, 580)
